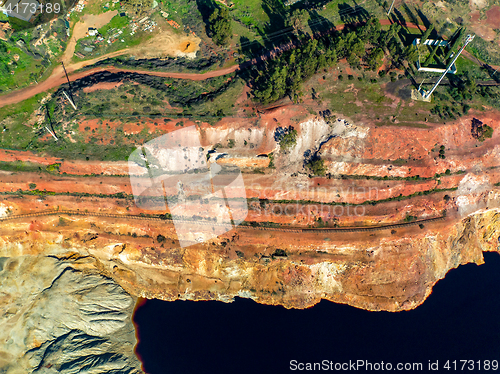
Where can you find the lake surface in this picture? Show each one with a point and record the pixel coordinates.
(459, 321)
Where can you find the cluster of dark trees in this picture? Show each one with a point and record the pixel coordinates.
(4, 59)
(459, 94)
(220, 25)
(436, 51)
(363, 46)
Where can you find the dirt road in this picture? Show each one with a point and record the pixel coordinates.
(209, 223)
(57, 78)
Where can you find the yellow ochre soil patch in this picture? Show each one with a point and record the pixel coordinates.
(167, 44)
(187, 46)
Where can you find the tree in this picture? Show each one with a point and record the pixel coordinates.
(431, 55)
(427, 33)
(470, 85)
(220, 25)
(353, 60)
(457, 38)
(374, 59)
(298, 19)
(411, 53)
(317, 166)
(394, 30)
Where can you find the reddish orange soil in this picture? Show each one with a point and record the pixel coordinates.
(474, 16)
(493, 16)
(102, 86)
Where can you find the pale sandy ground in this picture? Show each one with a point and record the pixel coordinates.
(165, 44)
(81, 28)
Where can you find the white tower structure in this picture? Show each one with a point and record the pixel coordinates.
(427, 94)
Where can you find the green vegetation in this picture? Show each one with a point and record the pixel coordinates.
(486, 133)
(457, 38)
(317, 167)
(364, 45)
(409, 218)
(20, 166)
(117, 22)
(298, 19)
(119, 195)
(426, 34)
(461, 95)
(442, 152)
(22, 60)
(289, 139)
(220, 25)
(15, 133)
(429, 58)
(271, 161)
(53, 167)
(366, 202)
(207, 100)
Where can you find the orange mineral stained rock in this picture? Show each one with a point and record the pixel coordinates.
(397, 209)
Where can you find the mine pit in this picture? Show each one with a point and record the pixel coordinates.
(187, 46)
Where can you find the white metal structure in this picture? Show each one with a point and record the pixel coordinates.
(70, 101)
(390, 9)
(427, 94)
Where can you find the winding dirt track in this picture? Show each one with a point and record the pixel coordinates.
(57, 78)
(282, 229)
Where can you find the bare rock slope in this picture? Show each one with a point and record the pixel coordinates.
(59, 315)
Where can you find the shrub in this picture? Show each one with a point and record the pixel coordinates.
(317, 167)
(487, 133)
(288, 139)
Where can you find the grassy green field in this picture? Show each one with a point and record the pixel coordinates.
(14, 131)
(22, 62)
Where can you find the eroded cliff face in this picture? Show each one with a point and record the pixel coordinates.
(385, 175)
(389, 270)
(61, 315)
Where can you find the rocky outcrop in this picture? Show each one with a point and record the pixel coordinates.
(58, 314)
(390, 269)
(78, 269)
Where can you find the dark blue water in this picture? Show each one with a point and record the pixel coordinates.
(459, 321)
